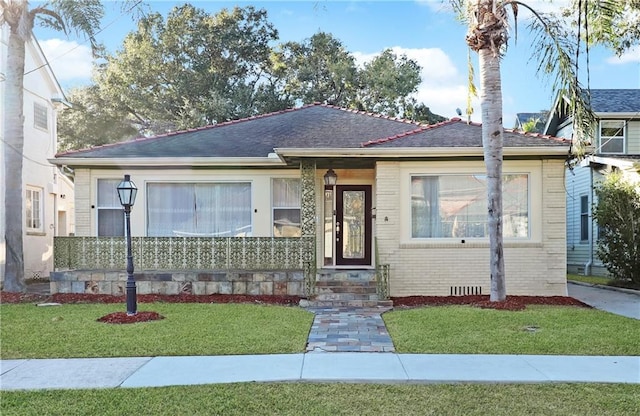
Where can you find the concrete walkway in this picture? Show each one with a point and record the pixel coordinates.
(623, 302)
(358, 367)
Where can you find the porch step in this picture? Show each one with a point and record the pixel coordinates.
(305, 303)
(346, 288)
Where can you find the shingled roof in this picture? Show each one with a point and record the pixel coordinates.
(316, 126)
(615, 100)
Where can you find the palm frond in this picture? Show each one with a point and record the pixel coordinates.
(555, 52)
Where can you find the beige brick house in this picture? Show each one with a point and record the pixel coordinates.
(270, 204)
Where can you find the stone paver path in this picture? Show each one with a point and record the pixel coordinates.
(349, 329)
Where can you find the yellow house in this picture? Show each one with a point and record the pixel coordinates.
(276, 203)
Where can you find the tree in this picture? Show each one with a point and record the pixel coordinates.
(422, 113)
(192, 69)
(613, 23)
(319, 69)
(617, 213)
(488, 34)
(386, 83)
(62, 14)
(91, 113)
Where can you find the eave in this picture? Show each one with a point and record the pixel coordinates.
(172, 162)
(420, 152)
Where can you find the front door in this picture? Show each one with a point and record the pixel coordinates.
(353, 225)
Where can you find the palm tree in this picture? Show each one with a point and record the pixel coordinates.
(84, 17)
(488, 35)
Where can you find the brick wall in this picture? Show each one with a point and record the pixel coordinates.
(534, 266)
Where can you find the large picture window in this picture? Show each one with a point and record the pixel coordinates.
(612, 136)
(110, 212)
(286, 207)
(34, 209)
(199, 209)
(455, 206)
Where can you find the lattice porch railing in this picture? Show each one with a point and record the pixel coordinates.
(184, 253)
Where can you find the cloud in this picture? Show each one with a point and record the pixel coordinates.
(443, 87)
(69, 60)
(631, 56)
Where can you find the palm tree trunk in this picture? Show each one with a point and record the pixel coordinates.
(13, 151)
(492, 138)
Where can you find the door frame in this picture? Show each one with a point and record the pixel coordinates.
(339, 260)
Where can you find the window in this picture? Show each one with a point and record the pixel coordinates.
(110, 212)
(285, 200)
(40, 116)
(455, 206)
(584, 218)
(34, 210)
(199, 209)
(612, 133)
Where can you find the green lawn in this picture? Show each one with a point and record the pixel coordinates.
(333, 399)
(536, 330)
(594, 280)
(29, 331)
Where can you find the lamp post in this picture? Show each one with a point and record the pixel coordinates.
(127, 191)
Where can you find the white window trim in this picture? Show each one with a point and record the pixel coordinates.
(274, 207)
(30, 190)
(531, 168)
(603, 140)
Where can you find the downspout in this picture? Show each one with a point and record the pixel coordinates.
(589, 265)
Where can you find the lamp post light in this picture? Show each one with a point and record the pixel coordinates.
(330, 178)
(127, 191)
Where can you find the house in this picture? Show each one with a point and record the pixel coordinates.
(312, 191)
(48, 208)
(616, 146)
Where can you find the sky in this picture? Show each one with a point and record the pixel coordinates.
(425, 30)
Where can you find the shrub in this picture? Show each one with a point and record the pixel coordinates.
(618, 215)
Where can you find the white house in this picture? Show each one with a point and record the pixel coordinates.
(48, 194)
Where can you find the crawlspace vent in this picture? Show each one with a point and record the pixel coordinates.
(465, 290)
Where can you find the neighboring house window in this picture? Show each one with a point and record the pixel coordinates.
(199, 209)
(584, 218)
(34, 210)
(110, 212)
(612, 133)
(455, 206)
(285, 199)
(40, 116)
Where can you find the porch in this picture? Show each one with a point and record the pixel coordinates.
(194, 265)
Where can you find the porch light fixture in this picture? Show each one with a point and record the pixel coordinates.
(330, 178)
(127, 192)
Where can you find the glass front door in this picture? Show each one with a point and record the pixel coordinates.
(352, 227)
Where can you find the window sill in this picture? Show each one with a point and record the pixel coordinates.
(467, 244)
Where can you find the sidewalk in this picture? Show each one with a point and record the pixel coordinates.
(358, 367)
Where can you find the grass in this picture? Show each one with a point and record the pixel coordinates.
(594, 280)
(536, 330)
(605, 281)
(333, 399)
(65, 331)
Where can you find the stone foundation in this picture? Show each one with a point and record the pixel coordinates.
(109, 282)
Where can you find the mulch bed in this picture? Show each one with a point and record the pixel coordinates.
(512, 303)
